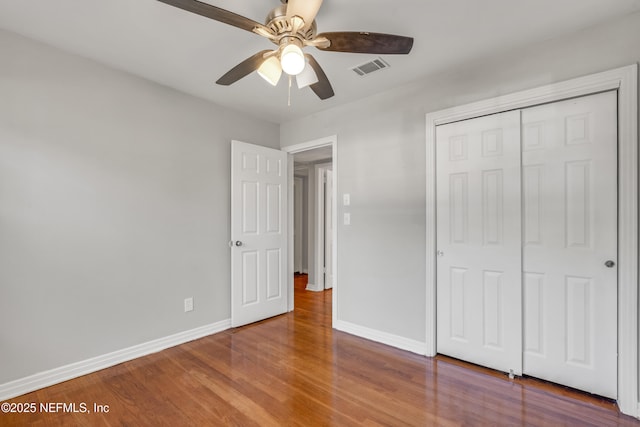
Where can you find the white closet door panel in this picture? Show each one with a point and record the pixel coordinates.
(479, 239)
(569, 232)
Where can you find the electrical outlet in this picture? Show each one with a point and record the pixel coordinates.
(346, 199)
(188, 304)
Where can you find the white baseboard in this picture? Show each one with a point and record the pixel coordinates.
(314, 288)
(382, 337)
(57, 375)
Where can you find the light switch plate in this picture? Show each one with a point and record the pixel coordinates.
(347, 218)
(346, 199)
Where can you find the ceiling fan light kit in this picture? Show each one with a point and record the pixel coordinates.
(307, 77)
(292, 27)
(292, 59)
(270, 70)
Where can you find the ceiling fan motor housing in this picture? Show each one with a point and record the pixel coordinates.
(277, 22)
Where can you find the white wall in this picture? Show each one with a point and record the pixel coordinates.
(114, 207)
(381, 278)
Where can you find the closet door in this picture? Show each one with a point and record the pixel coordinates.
(570, 244)
(479, 241)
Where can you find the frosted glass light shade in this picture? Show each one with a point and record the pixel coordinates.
(292, 60)
(307, 77)
(270, 70)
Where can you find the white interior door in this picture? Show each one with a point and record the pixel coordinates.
(570, 228)
(258, 233)
(479, 241)
(328, 230)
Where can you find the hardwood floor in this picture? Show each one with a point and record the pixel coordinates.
(295, 370)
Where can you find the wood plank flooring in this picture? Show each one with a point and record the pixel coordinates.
(294, 370)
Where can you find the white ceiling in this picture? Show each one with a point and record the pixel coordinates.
(189, 52)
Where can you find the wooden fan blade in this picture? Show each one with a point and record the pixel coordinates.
(322, 88)
(305, 9)
(243, 69)
(215, 13)
(363, 42)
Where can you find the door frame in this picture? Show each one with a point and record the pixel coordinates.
(328, 233)
(331, 141)
(320, 230)
(625, 81)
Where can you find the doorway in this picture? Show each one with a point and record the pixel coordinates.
(313, 237)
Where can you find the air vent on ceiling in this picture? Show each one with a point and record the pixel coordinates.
(370, 67)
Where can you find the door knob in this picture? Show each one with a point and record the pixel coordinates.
(238, 243)
(610, 264)
(440, 253)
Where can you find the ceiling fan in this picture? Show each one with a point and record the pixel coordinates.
(292, 26)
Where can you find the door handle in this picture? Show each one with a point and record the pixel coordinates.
(233, 243)
(609, 264)
(238, 243)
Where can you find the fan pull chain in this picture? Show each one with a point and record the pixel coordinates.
(289, 99)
